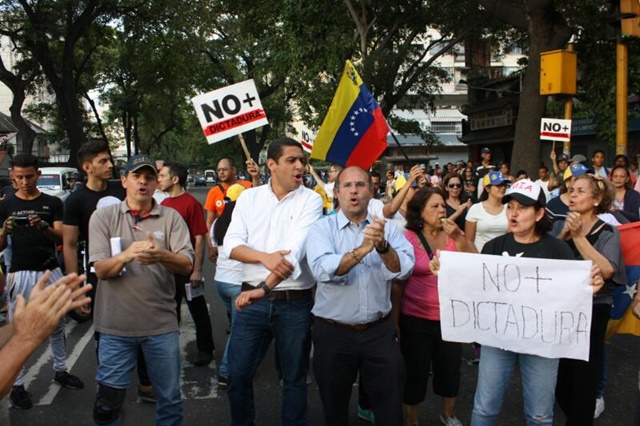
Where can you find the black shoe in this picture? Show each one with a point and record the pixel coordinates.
(68, 381)
(203, 359)
(20, 398)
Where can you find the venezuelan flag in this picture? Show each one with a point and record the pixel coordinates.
(354, 132)
(622, 320)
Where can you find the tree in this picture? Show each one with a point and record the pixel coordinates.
(547, 29)
(50, 32)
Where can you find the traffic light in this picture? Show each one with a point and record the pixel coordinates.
(623, 19)
(630, 27)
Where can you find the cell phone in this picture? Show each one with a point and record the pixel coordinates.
(21, 220)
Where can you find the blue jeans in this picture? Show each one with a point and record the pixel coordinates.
(251, 333)
(228, 293)
(538, 386)
(118, 357)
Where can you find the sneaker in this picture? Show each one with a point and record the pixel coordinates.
(366, 415)
(223, 382)
(147, 394)
(68, 381)
(203, 359)
(20, 398)
(450, 421)
(599, 407)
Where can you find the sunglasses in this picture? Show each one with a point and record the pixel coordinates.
(455, 185)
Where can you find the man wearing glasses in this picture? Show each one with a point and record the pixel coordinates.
(214, 205)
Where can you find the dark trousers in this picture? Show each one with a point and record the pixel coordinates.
(578, 380)
(340, 353)
(200, 314)
(424, 351)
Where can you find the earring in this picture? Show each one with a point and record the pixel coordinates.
(595, 204)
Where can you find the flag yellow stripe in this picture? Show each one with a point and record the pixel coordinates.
(346, 94)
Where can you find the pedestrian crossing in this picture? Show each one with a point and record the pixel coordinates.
(198, 383)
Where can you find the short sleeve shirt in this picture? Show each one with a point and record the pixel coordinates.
(215, 197)
(32, 250)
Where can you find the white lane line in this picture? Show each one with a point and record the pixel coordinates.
(54, 388)
(44, 358)
(194, 389)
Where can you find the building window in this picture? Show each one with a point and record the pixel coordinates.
(446, 127)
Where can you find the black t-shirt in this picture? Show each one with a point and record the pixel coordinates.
(460, 220)
(558, 209)
(32, 250)
(7, 191)
(547, 247)
(81, 204)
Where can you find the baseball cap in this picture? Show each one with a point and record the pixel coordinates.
(494, 177)
(525, 192)
(578, 158)
(563, 157)
(234, 191)
(576, 170)
(485, 150)
(137, 162)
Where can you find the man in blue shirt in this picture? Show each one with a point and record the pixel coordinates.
(354, 257)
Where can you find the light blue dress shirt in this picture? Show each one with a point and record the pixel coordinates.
(362, 295)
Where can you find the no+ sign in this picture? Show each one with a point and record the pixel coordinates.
(555, 130)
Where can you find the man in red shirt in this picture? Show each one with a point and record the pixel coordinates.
(172, 179)
(214, 205)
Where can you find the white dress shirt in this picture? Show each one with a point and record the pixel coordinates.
(262, 222)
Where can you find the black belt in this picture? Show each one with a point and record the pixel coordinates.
(356, 327)
(280, 295)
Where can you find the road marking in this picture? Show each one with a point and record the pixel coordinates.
(44, 358)
(54, 388)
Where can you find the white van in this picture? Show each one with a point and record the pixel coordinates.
(54, 181)
(210, 176)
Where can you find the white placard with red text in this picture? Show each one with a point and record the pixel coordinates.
(229, 111)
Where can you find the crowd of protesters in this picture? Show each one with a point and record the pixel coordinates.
(344, 261)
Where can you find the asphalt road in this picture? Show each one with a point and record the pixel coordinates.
(206, 404)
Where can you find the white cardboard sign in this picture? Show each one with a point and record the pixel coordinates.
(555, 130)
(229, 111)
(525, 305)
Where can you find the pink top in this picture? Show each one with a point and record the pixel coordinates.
(421, 289)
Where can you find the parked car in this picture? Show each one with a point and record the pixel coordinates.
(54, 181)
(200, 181)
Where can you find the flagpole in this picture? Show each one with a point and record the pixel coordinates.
(399, 146)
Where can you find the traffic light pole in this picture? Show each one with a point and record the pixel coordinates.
(622, 59)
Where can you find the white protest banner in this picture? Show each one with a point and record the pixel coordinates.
(525, 305)
(229, 111)
(306, 139)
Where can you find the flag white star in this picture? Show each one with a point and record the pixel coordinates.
(630, 290)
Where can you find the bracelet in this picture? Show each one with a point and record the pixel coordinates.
(355, 257)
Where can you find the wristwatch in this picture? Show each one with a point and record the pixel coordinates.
(385, 248)
(44, 225)
(263, 285)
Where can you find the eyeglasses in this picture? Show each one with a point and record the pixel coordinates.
(454, 185)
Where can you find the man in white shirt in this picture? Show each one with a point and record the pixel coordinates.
(267, 234)
(544, 181)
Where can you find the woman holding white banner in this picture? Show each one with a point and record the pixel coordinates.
(529, 225)
(423, 349)
(590, 239)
